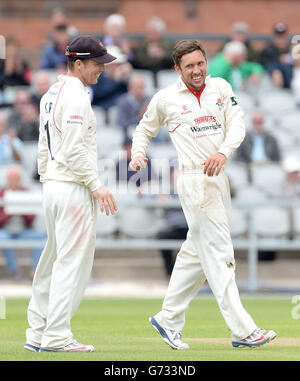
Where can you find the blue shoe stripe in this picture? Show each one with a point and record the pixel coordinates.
(243, 344)
(35, 348)
(161, 331)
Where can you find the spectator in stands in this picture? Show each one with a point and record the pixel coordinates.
(17, 226)
(155, 52)
(295, 84)
(232, 65)
(41, 84)
(240, 32)
(57, 18)
(11, 147)
(53, 55)
(132, 105)
(114, 82)
(14, 70)
(114, 29)
(28, 129)
(22, 99)
(290, 187)
(176, 225)
(276, 57)
(259, 146)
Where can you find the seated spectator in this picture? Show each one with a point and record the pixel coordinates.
(259, 146)
(290, 187)
(22, 99)
(276, 57)
(113, 83)
(295, 84)
(132, 105)
(40, 85)
(28, 129)
(175, 221)
(17, 226)
(240, 32)
(114, 29)
(53, 55)
(14, 70)
(155, 52)
(11, 147)
(57, 18)
(232, 65)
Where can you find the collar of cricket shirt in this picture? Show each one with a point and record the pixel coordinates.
(63, 77)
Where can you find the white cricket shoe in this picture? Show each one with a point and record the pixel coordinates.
(171, 337)
(72, 347)
(258, 337)
(271, 334)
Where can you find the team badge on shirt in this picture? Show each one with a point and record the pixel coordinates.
(234, 101)
(219, 103)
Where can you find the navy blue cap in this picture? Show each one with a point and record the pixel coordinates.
(88, 47)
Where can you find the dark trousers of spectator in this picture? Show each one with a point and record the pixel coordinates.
(167, 255)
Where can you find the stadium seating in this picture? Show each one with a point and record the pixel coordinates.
(267, 176)
(239, 223)
(272, 222)
(139, 222)
(166, 78)
(150, 88)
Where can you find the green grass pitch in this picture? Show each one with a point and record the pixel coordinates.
(120, 331)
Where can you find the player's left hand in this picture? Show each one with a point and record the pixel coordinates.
(214, 164)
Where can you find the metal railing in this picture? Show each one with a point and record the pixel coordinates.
(250, 242)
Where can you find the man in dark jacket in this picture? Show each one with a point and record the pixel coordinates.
(276, 57)
(259, 146)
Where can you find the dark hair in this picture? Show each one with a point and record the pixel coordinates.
(184, 47)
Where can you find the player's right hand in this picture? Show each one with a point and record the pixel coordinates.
(106, 200)
(138, 163)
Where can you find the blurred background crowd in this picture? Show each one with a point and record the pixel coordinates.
(260, 60)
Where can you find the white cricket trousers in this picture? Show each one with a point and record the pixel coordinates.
(207, 254)
(65, 264)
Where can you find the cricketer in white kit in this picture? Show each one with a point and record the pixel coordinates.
(206, 125)
(67, 165)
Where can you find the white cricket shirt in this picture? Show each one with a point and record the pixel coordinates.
(67, 149)
(199, 126)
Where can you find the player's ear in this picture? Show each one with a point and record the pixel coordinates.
(177, 68)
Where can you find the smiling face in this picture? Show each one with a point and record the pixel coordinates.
(193, 69)
(90, 71)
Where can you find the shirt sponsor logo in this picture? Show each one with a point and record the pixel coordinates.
(76, 117)
(205, 119)
(211, 127)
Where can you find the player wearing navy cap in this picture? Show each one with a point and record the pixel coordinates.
(67, 165)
